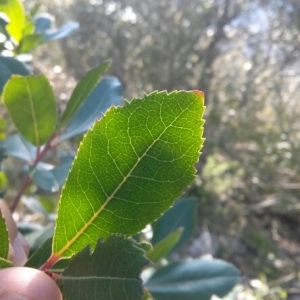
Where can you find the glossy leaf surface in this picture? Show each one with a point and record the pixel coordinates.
(193, 280)
(181, 215)
(16, 14)
(107, 93)
(129, 169)
(31, 105)
(82, 91)
(111, 272)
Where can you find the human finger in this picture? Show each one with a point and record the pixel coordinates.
(19, 283)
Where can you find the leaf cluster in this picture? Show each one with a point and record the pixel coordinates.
(133, 162)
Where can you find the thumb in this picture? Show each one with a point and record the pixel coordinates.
(19, 283)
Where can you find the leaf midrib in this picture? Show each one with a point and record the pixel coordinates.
(103, 206)
(32, 113)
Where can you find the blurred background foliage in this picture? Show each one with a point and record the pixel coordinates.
(245, 56)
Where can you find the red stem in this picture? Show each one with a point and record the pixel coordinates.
(50, 262)
(27, 180)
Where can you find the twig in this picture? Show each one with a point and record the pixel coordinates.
(27, 180)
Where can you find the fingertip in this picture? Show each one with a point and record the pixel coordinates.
(28, 283)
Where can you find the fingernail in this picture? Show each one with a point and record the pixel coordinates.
(12, 296)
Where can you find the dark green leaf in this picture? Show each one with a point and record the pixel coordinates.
(64, 31)
(17, 146)
(182, 214)
(193, 280)
(82, 91)
(31, 105)
(161, 249)
(111, 272)
(129, 169)
(9, 66)
(4, 239)
(107, 93)
(4, 263)
(5, 74)
(16, 14)
(29, 42)
(15, 66)
(40, 256)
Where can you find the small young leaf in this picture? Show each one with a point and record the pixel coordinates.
(182, 214)
(129, 169)
(82, 91)
(16, 14)
(193, 280)
(108, 92)
(165, 246)
(31, 104)
(111, 272)
(4, 239)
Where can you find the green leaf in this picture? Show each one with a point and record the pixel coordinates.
(39, 257)
(15, 66)
(193, 280)
(82, 91)
(9, 66)
(16, 14)
(129, 169)
(165, 246)
(35, 9)
(4, 239)
(107, 93)
(111, 272)
(182, 214)
(4, 263)
(29, 27)
(4, 244)
(29, 42)
(31, 105)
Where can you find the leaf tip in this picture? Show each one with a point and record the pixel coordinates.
(199, 93)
